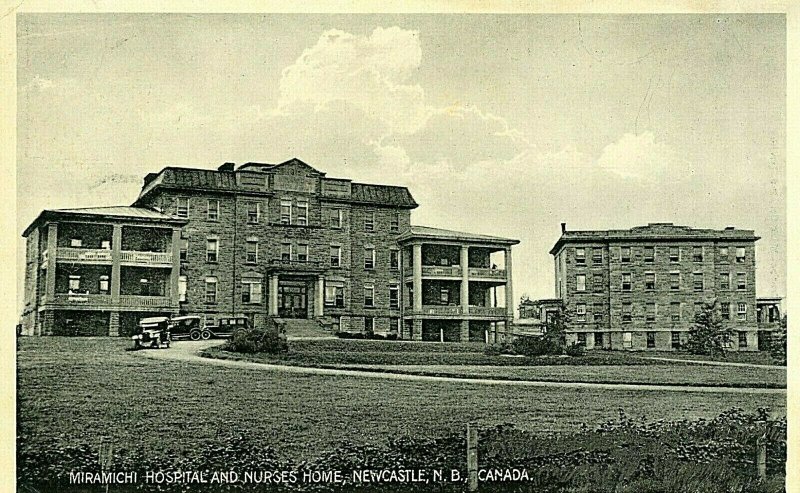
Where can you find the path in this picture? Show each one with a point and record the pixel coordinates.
(187, 351)
(715, 363)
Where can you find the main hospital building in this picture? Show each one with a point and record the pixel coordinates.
(287, 241)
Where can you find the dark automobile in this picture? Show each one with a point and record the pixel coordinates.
(225, 327)
(153, 332)
(188, 327)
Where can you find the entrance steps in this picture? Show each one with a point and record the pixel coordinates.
(305, 328)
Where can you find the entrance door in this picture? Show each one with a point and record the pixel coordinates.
(292, 301)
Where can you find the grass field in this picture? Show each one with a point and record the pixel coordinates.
(76, 391)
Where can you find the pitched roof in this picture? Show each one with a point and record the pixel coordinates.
(382, 194)
(654, 232)
(426, 232)
(136, 214)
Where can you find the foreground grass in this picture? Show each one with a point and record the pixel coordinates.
(755, 357)
(78, 391)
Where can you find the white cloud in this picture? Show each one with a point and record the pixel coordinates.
(642, 157)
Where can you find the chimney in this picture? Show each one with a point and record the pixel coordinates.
(227, 167)
(563, 228)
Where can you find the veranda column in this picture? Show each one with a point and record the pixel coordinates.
(52, 253)
(319, 297)
(175, 274)
(464, 279)
(273, 295)
(509, 289)
(417, 278)
(116, 248)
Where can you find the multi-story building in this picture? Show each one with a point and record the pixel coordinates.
(97, 271)
(284, 240)
(640, 288)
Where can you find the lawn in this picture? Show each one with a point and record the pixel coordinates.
(753, 357)
(74, 391)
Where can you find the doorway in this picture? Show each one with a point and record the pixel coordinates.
(293, 301)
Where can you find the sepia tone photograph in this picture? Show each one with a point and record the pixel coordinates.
(434, 252)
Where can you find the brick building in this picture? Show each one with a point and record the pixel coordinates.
(284, 240)
(639, 288)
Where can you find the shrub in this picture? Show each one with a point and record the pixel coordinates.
(709, 335)
(535, 346)
(497, 349)
(576, 349)
(267, 339)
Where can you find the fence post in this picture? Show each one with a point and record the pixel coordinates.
(761, 456)
(472, 457)
(106, 456)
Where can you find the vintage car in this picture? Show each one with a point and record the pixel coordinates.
(152, 332)
(187, 327)
(226, 326)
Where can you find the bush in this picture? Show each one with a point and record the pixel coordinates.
(576, 349)
(497, 349)
(268, 339)
(535, 346)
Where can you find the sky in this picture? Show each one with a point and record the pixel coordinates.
(499, 124)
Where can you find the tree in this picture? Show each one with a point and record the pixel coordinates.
(709, 335)
(777, 345)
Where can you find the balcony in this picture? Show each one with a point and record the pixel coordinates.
(458, 311)
(443, 310)
(283, 265)
(128, 257)
(82, 299)
(488, 311)
(441, 271)
(481, 273)
(87, 255)
(128, 300)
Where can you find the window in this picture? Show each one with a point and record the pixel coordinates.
(394, 226)
(697, 281)
(369, 221)
(674, 254)
(103, 285)
(742, 339)
(212, 210)
(674, 281)
(741, 311)
(76, 242)
(211, 290)
(739, 255)
(675, 311)
(105, 245)
(394, 296)
(651, 340)
(650, 281)
(444, 296)
(251, 292)
(625, 254)
(369, 324)
(580, 282)
(580, 256)
(369, 258)
(725, 309)
(253, 212)
(649, 254)
(184, 250)
(286, 252)
(369, 295)
(627, 340)
(302, 253)
(336, 256)
(334, 294)
(725, 281)
(580, 311)
(394, 259)
(251, 253)
(697, 254)
(627, 309)
(286, 211)
(302, 213)
(582, 338)
(650, 312)
(597, 282)
(597, 311)
(597, 256)
(726, 341)
(183, 284)
(598, 339)
(676, 340)
(182, 206)
(626, 282)
(144, 287)
(212, 250)
(335, 218)
(741, 281)
(723, 254)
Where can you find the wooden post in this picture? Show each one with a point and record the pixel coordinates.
(761, 457)
(472, 458)
(441, 335)
(106, 456)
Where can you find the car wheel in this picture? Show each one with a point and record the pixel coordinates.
(195, 335)
(206, 335)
